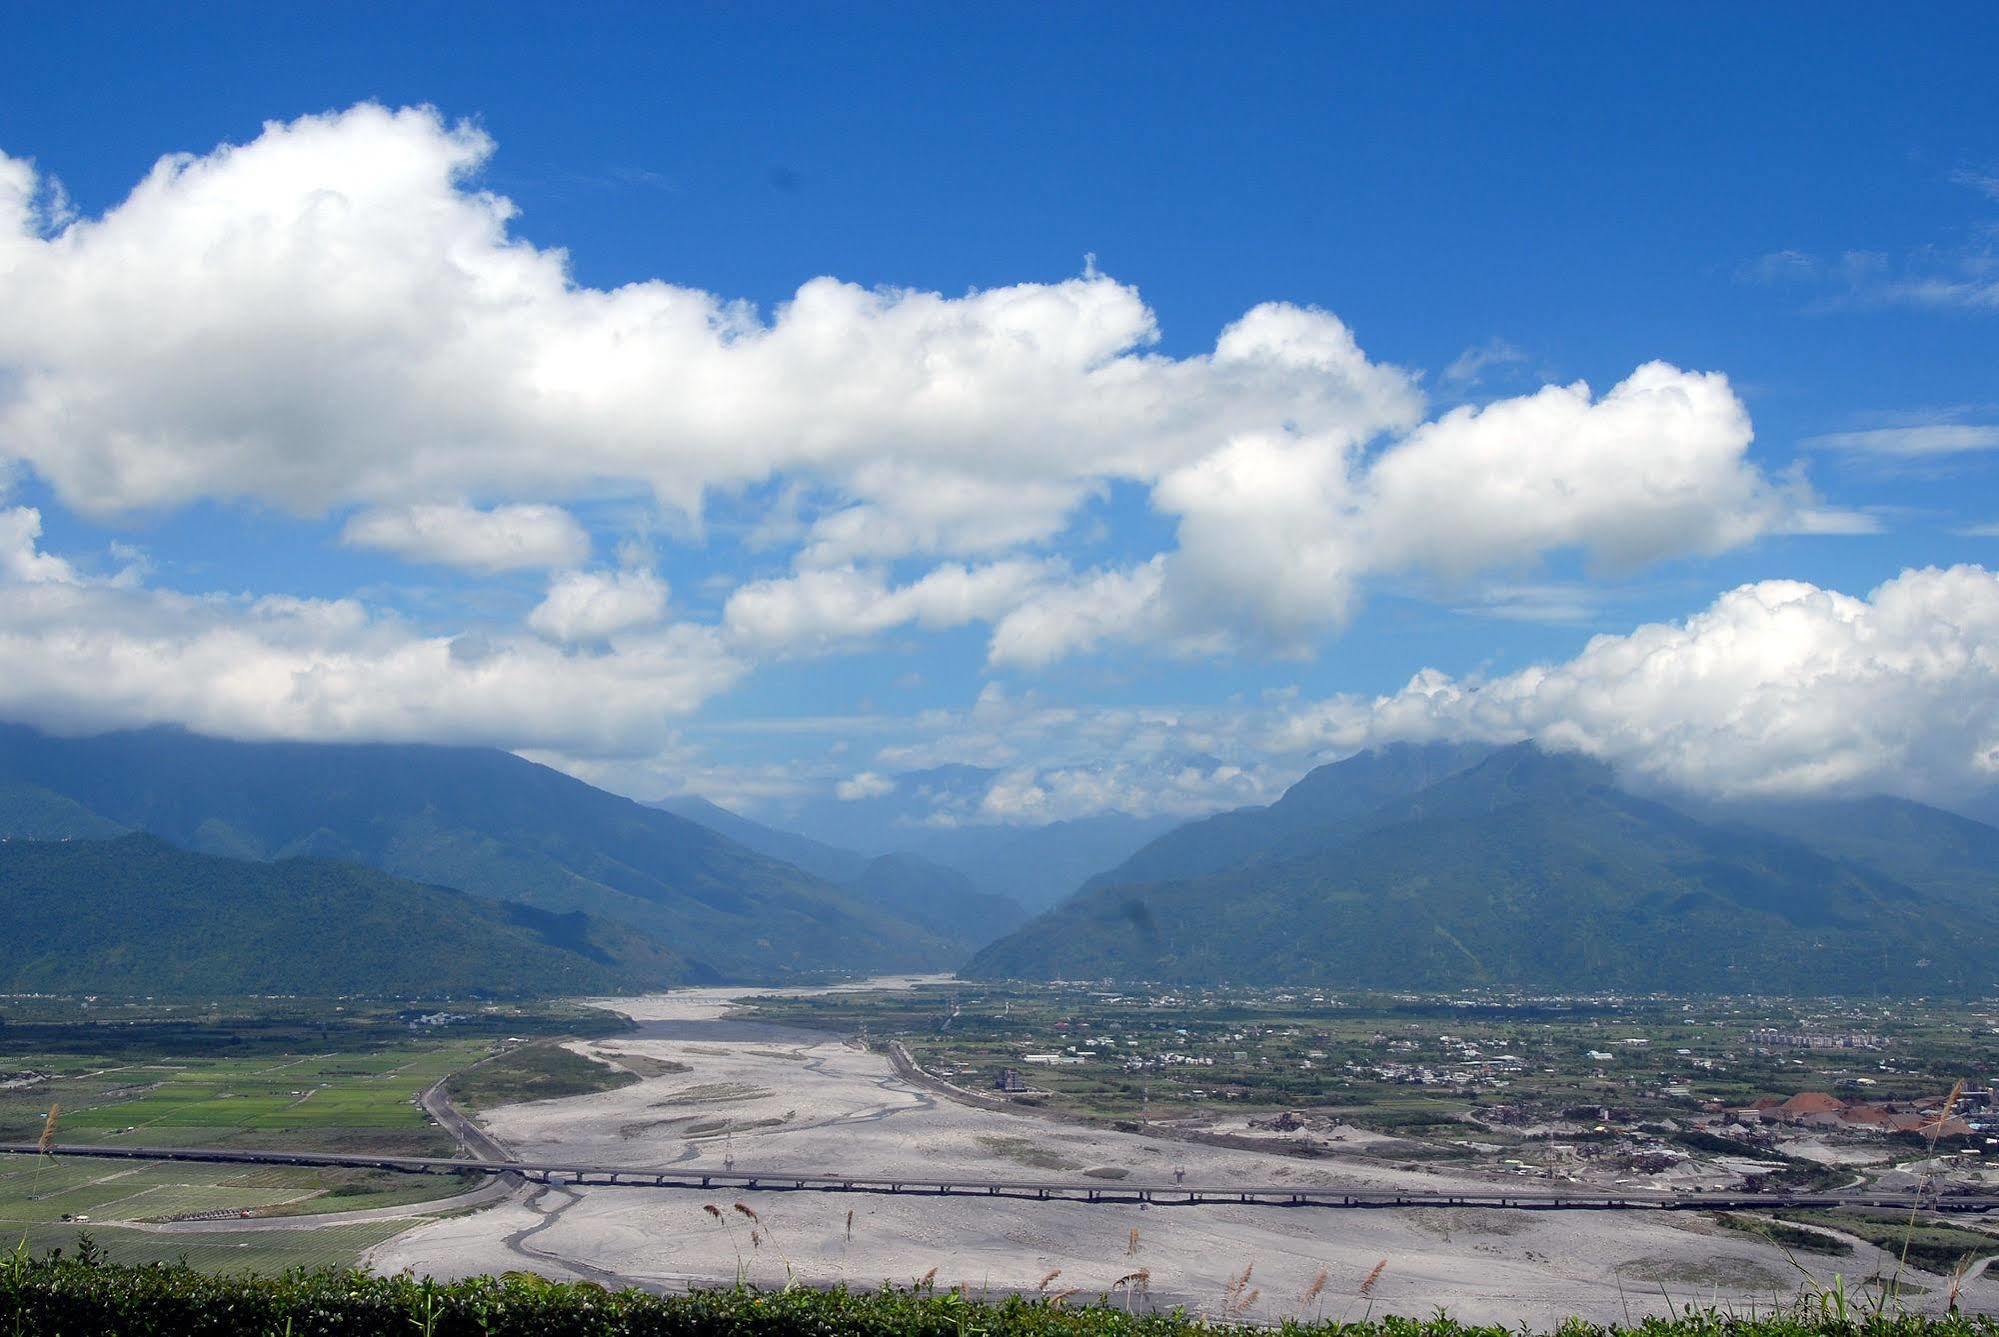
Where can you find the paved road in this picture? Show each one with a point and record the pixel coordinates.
(470, 1135)
(1280, 1195)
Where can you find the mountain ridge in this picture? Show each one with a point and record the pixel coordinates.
(479, 820)
(1529, 869)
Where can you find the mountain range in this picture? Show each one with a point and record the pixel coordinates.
(475, 819)
(1445, 867)
(1408, 867)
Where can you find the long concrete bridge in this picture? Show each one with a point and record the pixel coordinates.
(1176, 1194)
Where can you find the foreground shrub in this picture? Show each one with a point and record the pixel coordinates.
(80, 1297)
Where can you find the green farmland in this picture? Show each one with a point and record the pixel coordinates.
(258, 1073)
(327, 1100)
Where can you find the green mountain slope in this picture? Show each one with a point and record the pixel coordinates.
(485, 822)
(1530, 871)
(1928, 848)
(30, 812)
(1320, 810)
(135, 915)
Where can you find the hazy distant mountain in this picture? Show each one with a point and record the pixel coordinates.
(937, 898)
(927, 894)
(477, 819)
(1038, 866)
(135, 915)
(1527, 870)
(815, 857)
(1927, 848)
(1033, 865)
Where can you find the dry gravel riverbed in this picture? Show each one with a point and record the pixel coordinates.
(804, 1100)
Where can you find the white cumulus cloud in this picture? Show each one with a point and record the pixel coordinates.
(1277, 533)
(1778, 688)
(90, 655)
(596, 605)
(865, 785)
(505, 538)
(823, 608)
(336, 314)
(20, 556)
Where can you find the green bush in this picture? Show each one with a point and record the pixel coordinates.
(76, 1296)
(1794, 1238)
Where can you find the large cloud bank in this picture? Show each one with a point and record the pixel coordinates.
(335, 316)
(1780, 687)
(82, 654)
(1777, 689)
(334, 319)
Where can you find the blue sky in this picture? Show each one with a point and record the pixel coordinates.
(271, 417)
